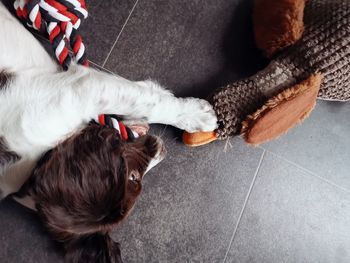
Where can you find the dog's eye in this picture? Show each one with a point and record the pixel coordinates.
(134, 176)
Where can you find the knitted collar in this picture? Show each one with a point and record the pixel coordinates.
(113, 121)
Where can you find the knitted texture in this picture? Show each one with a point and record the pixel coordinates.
(60, 19)
(324, 48)
(233, 103)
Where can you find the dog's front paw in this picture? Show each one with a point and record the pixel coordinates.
(197, 115)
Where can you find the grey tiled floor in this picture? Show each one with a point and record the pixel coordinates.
(286, 201)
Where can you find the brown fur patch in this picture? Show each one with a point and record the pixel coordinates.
(86, 186)
(6, 156)
(278, 24)
(5, 78)
(282, 112)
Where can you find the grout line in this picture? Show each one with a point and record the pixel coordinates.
(94, 63)
(309, 172)
(115, 42)
(100, 67)
(244, 204)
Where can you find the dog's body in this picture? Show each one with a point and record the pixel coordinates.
(42, 106)
(83, 178)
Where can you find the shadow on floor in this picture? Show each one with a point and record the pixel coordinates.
(242, 58)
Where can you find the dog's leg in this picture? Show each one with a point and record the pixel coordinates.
(81, 94)
(104, 93)
(55, 106)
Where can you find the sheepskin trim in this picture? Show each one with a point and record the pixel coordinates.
(282, 112)
(278, 24)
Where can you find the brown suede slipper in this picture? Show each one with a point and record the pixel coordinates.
(282, 112)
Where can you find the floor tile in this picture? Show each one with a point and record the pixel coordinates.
(23, 238)
(101, 28)
(93, 3)
(190, 204)
(292, 216)
(192, 47)
(321, 144)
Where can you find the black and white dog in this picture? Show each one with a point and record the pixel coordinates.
(82, 178)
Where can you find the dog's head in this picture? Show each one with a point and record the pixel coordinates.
(88, 184)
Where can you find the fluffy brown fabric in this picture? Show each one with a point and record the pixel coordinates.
(277, 24)
(85, 186)
(282, 112)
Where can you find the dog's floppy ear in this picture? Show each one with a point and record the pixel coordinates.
(95, 248)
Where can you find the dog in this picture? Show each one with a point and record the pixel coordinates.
(82, 178)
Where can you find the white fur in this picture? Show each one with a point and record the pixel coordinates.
(44, 105)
